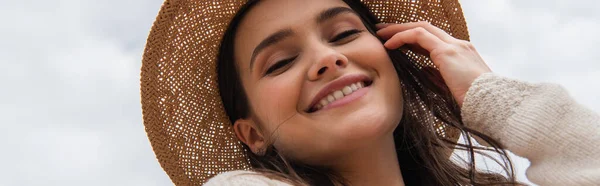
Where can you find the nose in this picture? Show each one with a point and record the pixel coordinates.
(327, 63)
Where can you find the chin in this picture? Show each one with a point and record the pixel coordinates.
(351, 134)
(370, 124)
(368, 120)
(361, 128)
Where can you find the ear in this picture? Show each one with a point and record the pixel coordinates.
(247, 132)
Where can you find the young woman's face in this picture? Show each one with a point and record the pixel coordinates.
(316, 79)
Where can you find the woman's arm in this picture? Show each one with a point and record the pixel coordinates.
(540, 122)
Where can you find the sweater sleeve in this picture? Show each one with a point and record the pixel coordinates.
(243, 178)
(540, 122)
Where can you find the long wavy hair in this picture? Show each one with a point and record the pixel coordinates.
(422, 152)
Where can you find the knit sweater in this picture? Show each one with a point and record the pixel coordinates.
(540, 122)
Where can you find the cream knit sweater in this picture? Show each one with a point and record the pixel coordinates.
(540, 122)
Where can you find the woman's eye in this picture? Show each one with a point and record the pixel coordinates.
(344, 35)
(279, 65)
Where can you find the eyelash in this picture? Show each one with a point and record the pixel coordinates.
(280, 64)
(344, 35)
(285, 62)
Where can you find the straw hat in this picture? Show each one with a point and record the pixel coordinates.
(184, 117)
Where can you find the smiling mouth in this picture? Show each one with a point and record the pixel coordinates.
(339, 94)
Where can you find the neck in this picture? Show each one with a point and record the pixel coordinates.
(374, 165)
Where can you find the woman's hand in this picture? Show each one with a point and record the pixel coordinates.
(458, 61)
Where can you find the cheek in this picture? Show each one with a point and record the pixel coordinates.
(375, 58)
(369, 53)
(275, 100)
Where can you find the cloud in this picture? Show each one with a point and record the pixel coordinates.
(71, 91)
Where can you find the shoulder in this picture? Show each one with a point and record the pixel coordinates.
(242, 177)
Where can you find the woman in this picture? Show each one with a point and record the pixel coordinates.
(319, 95)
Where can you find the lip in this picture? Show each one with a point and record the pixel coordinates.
(337, 85)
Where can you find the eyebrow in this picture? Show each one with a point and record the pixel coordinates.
(333, 12)
(271, 40)
(285, 33)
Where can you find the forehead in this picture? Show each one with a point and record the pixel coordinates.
(270, 16)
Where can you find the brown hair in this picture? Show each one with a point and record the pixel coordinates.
(422, 152)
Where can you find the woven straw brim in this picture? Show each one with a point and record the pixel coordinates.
(182, 111)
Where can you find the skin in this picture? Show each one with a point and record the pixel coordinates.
(458, 60)
(354, 139)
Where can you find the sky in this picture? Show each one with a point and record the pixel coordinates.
(70, 104)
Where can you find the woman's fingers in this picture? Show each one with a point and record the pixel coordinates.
(383, 25)
(387, 30)
(458, 61)
(417, 36)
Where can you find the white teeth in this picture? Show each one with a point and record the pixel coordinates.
(347, 90)
(330, 98)
(354, 87)
(324, 102)
(338, 94)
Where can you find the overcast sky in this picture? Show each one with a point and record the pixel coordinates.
(70, 103)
